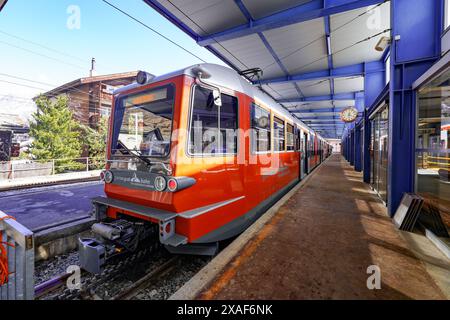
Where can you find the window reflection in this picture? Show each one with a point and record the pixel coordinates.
(433, 142)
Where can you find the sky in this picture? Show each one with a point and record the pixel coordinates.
(52, 42)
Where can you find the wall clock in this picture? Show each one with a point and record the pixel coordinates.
(349, 114)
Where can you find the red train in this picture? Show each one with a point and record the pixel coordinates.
(194, 157)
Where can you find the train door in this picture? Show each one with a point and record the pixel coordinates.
(298, 150)
(321, 150)
(305, 153)
(302, 154)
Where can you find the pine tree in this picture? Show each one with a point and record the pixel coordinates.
(55, 133)
(95, 140)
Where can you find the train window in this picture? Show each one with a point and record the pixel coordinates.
(289, 137)
(228, 123)
(260, 129)
(143, 124)
(278, 134)
(212, 128)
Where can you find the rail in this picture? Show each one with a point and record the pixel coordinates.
(16, 260)
(29, 168)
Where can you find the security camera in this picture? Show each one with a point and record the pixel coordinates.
(382, 43)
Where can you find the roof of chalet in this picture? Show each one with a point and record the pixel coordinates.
(115, 79)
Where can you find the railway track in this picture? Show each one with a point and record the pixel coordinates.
(55, 288)
(147, 280)
(150, 273)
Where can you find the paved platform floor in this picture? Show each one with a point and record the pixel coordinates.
(320, 244)
(41, 207)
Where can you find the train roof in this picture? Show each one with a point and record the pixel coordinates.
(228, 78)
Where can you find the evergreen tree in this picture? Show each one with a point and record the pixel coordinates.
(95, 140)
(55, 133)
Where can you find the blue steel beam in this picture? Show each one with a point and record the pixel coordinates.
(329, 53)
(338, 96)
(308, 11)
(323, 122)
(316, 110)
(266, 43)
(331, 127)
(332, 73)
(374, 82)
(319, 117)
(158, 7)
(419, 23)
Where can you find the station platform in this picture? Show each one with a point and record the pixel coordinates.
(320, 243)
(55, 214)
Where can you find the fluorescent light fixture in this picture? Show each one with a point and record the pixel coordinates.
(329, 45)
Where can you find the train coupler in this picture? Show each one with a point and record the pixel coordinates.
(111, 238)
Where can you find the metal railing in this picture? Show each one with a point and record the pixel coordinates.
(29, 168)
(16, 260)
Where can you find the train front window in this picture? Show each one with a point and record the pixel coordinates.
(143, 124)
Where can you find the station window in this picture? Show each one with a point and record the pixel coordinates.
(260, 129)
(433, 143)
(289, 137)
(278, 134)
(213, 128)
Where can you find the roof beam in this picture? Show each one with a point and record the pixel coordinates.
(320, 117)
(322, 121)
(330, 127)
(329, 55)
(347, 71)
(266, 43)
(325, 124)
(311, 10)
(335, 110)
(338, 96)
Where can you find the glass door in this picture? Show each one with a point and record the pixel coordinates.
(379, 152)
(433, 143)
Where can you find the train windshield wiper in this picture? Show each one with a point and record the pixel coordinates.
(122, 147)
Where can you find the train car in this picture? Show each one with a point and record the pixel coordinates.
(194, 157)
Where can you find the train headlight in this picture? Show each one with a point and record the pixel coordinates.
(102, 175)
(143, 77)
(108, 176)
(172, 185)
(160, 183)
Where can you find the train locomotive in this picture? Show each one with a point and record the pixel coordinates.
(194, 157)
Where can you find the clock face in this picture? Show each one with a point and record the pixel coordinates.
(263, 122)
(349, 114)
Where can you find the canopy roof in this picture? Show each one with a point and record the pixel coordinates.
(313, 56)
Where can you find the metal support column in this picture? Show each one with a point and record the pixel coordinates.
(374, 83)
(416, 30)
(352, 147)
(358, 148)
(366, 148)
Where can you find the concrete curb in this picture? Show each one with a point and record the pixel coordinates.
(62, 238)
(54, 181)
(192, 289)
